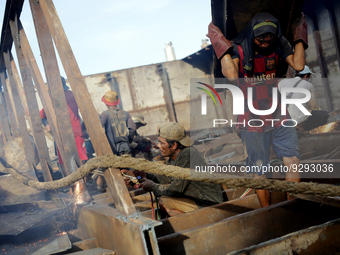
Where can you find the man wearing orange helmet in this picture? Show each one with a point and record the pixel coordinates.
(119, 127)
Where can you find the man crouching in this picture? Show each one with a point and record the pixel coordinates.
(178, 195)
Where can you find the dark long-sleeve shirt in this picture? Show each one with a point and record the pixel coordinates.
(202, 193)
(130, 124)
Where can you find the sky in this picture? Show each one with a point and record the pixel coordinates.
(114, 34)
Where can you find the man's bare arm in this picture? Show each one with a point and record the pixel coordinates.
(297, 60)
(230, 67)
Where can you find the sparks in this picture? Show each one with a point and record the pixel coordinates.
(325, 128)
(78, 194)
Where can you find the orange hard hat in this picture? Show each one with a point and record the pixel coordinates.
(110, 98)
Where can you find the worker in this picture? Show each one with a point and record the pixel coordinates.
(140, 143)
(179, 195)
(75, 122)
(304, 122)
(119, 127)
(253, 58)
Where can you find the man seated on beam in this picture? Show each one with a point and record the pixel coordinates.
(179, 195)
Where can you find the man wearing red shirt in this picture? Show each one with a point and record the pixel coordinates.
(75, 122)
(253, 59)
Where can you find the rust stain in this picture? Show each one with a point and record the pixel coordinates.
(132, 90)
(148, 108)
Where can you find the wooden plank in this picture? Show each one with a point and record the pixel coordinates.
(20, 88)
(11, 100)
(3, 136)
(10, 113)
(57, 94)
(113, 177)
(42, 90)
(4, 118)
(20, 112)
(32, 107)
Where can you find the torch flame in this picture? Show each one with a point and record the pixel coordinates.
(78, 194)
(325, 128)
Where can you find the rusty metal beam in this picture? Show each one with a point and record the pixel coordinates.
(129, 239)
(320, 239)
(169, 101)
(247, 229)
(32, 106)
(335, 33)
(114, 86)
(20, 112)
(207, 215)
(57, 94)
(113, 177)
(323, 66)
(219, 18)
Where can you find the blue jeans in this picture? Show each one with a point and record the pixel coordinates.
(256, 145)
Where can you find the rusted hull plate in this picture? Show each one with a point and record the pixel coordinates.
(247, 229)
(321, 239)
(320, 143)
(56, 244)
(13, 191)
(243, 11)
(13, 223)
(96, 251)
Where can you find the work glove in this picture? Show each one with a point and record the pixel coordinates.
(134, 173)
(220, 44)
(128, 182)
(300, 32)
(133, 145)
